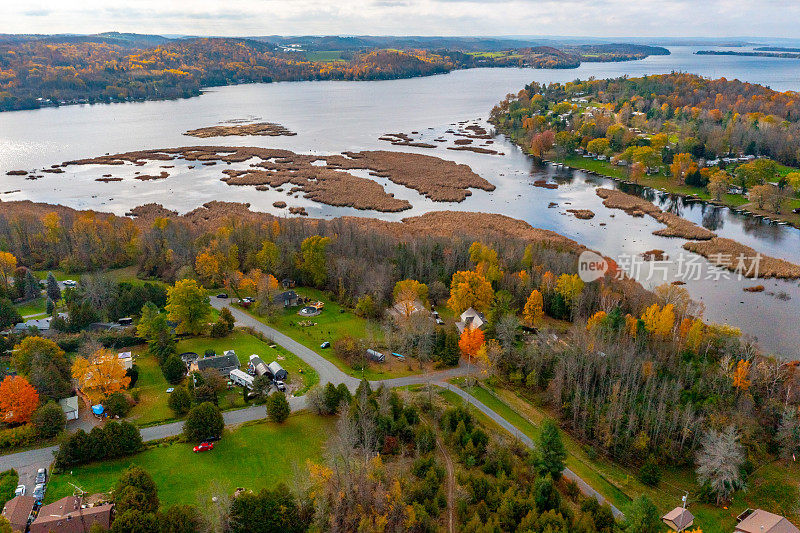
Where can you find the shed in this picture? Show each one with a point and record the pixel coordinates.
(17, 511)
(286, 299)
(678, 519)
(258, 367)
(126, 358)
(375, 355)
(277, 371)
(70, 407)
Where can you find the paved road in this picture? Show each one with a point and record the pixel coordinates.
(505, 424)
(26, 463)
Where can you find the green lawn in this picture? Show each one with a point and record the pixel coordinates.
(152, 407)
(334, 323)
(32, 307)
(253, 456)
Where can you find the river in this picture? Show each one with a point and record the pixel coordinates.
(331, 116)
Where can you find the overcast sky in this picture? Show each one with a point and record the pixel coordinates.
(611, 18)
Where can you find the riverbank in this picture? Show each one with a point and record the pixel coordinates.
(663, 183)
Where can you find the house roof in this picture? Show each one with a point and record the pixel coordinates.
(67, 516)
(227, 361)
(761, 521)
(472, 319)
(680, 517)
(17, 510)
(69, 405)
(285, 295)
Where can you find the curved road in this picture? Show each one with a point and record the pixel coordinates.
(27, 462)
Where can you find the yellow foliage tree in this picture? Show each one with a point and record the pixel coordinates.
(631, 325)
(595, 320)
(470, 289)
(100, 375)
(486, 262)
(659, 322)
(209, 267)
(534, 309)
(8, 264)
(410, 289)
(569, 286)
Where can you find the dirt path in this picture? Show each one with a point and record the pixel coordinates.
(451, 485)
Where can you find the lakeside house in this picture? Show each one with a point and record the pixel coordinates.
(70, 407)
(73, 515)
(471, 319)
(761, 521)
(18, 511)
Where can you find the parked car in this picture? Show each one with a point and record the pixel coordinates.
(70, 283)
(41, 476)
(170, 390)
(203, 447)
(281, 386)
(222, 295)
(20, 491)
(38, 492)
(325, 344)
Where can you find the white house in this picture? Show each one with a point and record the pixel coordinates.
(471, 319)
(70, 407)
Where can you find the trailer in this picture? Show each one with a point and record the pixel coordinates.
(278, 373)
(375, 355)
(243, 379)
(257, 367)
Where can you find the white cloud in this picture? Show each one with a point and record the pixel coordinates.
(706, 18)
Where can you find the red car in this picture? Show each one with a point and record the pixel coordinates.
(203, 447)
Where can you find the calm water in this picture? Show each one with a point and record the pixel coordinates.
(331, 117)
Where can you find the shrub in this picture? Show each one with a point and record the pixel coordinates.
(18, 436)
(8, 483)
(650, 473)
(133, 374)
(174, 369)
(204, 421)
(49, 420)
(219, 329)
(180, 401)
(117, 404)
(226, 317)
(278, 407)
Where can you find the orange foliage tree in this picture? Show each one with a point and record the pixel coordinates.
(100, 375)
(18, 400)
(740, 375)
(471, 341)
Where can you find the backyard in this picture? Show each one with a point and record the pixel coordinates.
(254, 456)
(333, 323)
(151, 386)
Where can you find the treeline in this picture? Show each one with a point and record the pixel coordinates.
(42, 72)
(704, 118)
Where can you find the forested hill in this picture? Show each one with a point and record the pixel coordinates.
(46, 70)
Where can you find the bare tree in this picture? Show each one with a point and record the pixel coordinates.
(719, 462)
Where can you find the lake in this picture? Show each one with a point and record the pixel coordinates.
(330, 117)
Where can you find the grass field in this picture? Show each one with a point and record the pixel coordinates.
(253, 456)
(37, 306)
(325, 56)
(336, 322)
(152, 407)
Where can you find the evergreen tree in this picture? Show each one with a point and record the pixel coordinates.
(551, 451)
(53, 290)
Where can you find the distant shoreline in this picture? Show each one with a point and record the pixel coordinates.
(778, 55)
